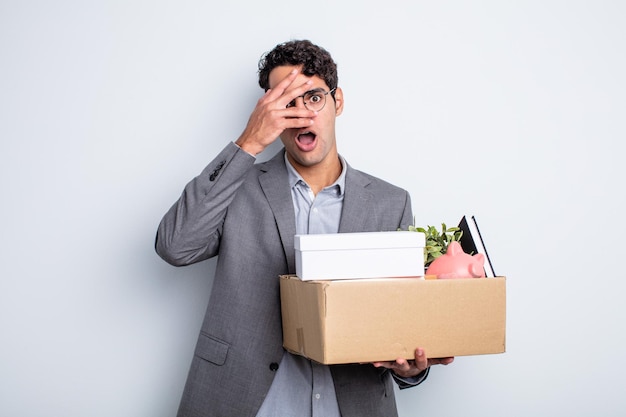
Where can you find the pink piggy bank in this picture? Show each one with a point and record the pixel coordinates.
(457, 264)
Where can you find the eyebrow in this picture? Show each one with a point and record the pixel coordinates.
(315, 90)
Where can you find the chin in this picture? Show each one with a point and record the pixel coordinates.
(305, 160)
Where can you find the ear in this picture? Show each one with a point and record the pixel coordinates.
(454, 248)
(477, 269)
(338, 101)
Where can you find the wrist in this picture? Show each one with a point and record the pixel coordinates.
(248, 146)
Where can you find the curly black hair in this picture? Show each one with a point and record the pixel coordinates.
(314, 60)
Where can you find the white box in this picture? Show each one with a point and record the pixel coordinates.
(359, 255)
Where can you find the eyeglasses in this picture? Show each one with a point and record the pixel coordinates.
(314, 100)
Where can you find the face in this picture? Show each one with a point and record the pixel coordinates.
(315, 145)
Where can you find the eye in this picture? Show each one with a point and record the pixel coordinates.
(315, 98)
(291, 104)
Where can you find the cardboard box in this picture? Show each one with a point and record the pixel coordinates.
(369, 320)
(359, 255)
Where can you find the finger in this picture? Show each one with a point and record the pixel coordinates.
(441, 361)
(297, 123)
(388, 365)
(402, 365)
(297, 113)
(287, 89)
(294, 118)
(293, 92)
(280, 88)
(421, 362)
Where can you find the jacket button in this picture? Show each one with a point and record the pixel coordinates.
(216, 171)
(273, 367)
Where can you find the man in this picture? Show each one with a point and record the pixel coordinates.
(248, 214)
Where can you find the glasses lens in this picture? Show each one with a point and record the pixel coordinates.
(315, 100)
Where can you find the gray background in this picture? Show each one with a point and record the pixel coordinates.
(512, 111)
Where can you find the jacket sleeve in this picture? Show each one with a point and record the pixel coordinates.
(404, 383)
(190, 230)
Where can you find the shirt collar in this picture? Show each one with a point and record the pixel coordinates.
(295, 178)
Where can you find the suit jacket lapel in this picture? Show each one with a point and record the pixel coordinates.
(355, 216)
(276, 189)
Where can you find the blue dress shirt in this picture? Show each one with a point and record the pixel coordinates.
(302, 387)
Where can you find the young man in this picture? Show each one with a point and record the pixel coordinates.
(248, 214)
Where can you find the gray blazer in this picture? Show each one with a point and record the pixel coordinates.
(244, 212)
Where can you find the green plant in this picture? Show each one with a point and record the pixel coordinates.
(436, 241)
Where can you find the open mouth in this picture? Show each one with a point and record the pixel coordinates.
(306, 140)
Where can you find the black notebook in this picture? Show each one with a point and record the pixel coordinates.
(473, 243)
